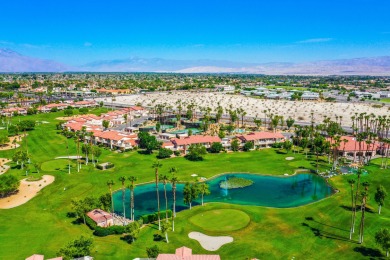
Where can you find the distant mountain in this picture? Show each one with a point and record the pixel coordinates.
(161, 65)
(11, 61)
(358, 66)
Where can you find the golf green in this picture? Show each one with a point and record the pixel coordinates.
(221, 220)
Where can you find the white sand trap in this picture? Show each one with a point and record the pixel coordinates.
(208, 242)
(290, 158)
(27, 190)
(194, 175)
(69, 157)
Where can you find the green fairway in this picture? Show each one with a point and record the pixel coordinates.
(386, 100)
(220, 220)
(60, 165)
(314, 231)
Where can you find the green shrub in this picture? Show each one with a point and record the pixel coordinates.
(149, 218)
(164, 153)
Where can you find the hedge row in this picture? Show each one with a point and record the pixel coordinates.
(154, 217)
(106, 167)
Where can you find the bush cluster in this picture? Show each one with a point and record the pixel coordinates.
(149, 218)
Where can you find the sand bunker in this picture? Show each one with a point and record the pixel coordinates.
(12, 144)
(27, 190)
(290, 158)
(208, 242)
(4, 168)
(69, 157)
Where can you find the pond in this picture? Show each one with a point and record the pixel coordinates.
(268, 191)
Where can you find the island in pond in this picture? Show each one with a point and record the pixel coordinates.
(234, 183)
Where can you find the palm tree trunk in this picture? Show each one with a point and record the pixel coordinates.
(352, 217)
(166, 203)
(362, 223)
(158, 201)
(112, 204)
(166, 237)
(132, 204)
(354, 208)
(123, 201)
(174, 207)
(174, 201)
(379, 210)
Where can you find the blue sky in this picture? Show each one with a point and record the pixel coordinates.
(77, 32)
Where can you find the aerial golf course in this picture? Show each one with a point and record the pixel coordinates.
(319, 230)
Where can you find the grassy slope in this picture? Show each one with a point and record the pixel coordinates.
(41, 225)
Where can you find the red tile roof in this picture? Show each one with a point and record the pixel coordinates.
(167, 144)
(35, 257)
(260, 135)
(353, 145)
(185, 253)
(99, 215)
(74, 126)
(196, 139)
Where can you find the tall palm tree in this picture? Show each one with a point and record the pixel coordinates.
(109, 184)
(156, 166)
(364, 196)
(351, 182)
(164, 180)
(359, 172)
(123, 180)
(132, 179)
(174, 180)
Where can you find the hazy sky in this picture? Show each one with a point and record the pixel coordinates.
(76, 32)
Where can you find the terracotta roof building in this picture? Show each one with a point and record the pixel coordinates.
(182, 144)
(262, 139)
(101, 218)
(354, 148)
(185, 253)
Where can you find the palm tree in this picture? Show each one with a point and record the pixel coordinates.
(164, 180)
(364, 195)
(109, 184)
(156, 166)
(204, 190)
(359, 172)
(174, 180)
(351, 182)
(132, 179)
(123, 180)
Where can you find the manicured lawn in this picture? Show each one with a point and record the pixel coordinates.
(220, 220)
(315, 231)
(386, 100)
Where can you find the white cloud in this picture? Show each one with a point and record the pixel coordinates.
(316, 40)
(87, 44)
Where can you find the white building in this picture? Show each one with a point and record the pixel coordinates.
(225, 88)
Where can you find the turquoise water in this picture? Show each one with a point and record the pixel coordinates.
(185, 131)
(268, 191)
(240, 131)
